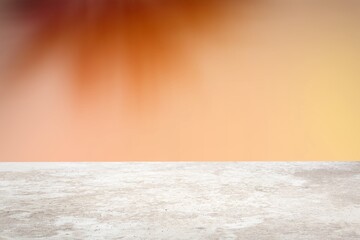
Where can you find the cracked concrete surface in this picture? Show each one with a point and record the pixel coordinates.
(180, 201)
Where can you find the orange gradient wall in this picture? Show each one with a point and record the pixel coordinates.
(121, 80)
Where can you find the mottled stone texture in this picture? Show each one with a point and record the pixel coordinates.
(180, 201)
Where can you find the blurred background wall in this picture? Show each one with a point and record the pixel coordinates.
(179, 80)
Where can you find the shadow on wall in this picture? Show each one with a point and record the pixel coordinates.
(144, 38)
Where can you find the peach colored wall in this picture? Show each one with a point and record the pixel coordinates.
(272, 80)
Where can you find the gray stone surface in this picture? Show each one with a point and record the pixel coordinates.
(180, 201)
